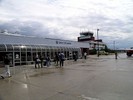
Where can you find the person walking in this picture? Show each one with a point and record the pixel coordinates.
(37, 61)
(56, 59)
(6, 73)
(41, 59)
(116, 55)
(75, 57)
(47, 61)
(61, 59)
(85, 55)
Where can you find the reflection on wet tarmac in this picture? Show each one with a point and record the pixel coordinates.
(41, 74)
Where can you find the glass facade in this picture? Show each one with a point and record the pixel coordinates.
(24, 54)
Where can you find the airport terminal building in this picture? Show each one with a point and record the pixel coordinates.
(23, 49)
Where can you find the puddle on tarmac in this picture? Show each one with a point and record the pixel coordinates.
(41, 74)
(85, 65)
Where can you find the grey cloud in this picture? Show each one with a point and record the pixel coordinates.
(30, 28)
(112, 25)
(1, 1)
(23, 27)
(119, 43)
(130, 19)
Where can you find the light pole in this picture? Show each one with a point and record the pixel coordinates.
(114, 45)
(115, 50)
(97, 43)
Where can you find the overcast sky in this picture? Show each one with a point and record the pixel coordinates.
(65, 19)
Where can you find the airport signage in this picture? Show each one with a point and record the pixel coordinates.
(63, 42)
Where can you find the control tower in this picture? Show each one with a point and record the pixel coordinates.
(86, 36)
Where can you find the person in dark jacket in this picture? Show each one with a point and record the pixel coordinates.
(7, 68)
(116, 55)
(61, 59)
(37, 61)
(56, 59)
(75, 57)
(41, 58)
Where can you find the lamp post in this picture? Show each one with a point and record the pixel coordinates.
(114, 45)
(97, 43)
(115, 50)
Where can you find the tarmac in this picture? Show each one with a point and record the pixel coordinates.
(96, 78)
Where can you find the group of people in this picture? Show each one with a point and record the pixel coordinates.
(59, 58)
(75, 56)
(41, 61)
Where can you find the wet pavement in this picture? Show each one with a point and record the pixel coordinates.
(103, 78)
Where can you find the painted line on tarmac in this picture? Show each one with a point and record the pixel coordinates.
(88, 98)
